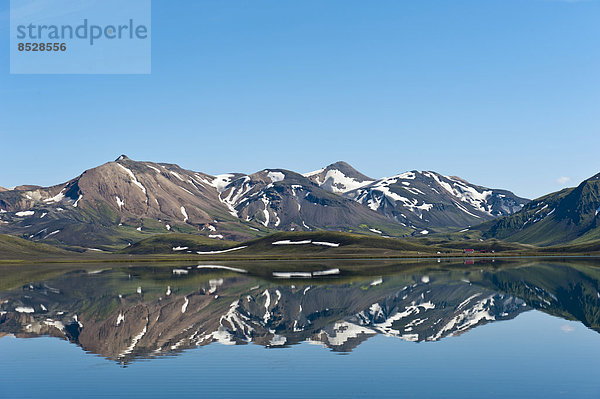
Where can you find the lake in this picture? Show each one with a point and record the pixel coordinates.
(410, 329)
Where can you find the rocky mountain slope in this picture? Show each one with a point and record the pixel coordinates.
(570, 215)
(285, 200)
(116, 201)
(121, 202)
(428, 201)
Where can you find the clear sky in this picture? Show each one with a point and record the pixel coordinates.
(504, 93)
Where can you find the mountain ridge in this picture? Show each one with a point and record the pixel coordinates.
(426, 199)
(568, 215)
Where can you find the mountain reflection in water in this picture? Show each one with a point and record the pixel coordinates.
(131, 313)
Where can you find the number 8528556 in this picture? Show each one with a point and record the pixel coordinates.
(42, 47)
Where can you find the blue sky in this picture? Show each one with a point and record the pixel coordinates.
(504, 93)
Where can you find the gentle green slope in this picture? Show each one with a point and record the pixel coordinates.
(164, 244)
(343, 244)
(17, 248)
(584, 247)
(476, 244)
(345, 241)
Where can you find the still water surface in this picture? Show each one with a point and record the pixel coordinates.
(518, 330)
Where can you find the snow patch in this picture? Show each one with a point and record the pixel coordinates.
(177, 175)
(153, 168)
(57, 198)
(338, 182)
(316, 172)
(184, 213)
(326, 244)
(265, 201)
(77, 202)
(289, 242)
(276, 176)
(222, 251)
(51, 234)
(221, 181)
(134, 180)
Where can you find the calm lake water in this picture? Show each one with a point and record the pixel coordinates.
(526, 329)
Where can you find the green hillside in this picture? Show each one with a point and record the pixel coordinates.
(17, 248)
(289, 243)
(165, 244)
(569, 215)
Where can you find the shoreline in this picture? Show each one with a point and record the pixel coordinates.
(265, 258)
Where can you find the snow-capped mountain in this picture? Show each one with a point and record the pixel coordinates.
(115, 203)
(429, 200)
(285, 200)
(339, 178)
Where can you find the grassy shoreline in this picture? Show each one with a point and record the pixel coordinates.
(111, 258)
(288, 246)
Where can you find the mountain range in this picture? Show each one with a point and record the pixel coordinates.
(122, 202)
